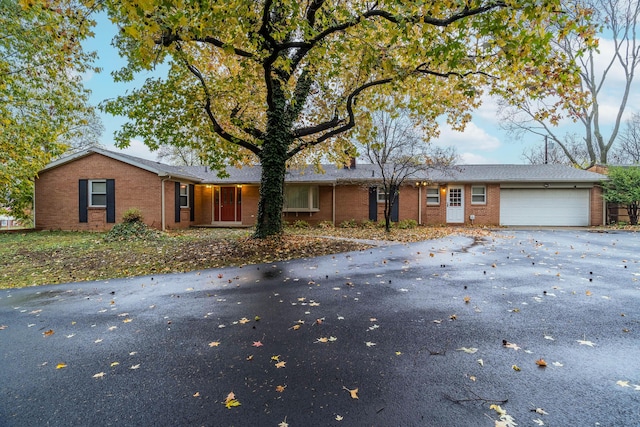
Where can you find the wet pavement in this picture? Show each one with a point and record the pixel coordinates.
(430, 334)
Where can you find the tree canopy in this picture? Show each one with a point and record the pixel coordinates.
(43, 104)
(285, 82)
(602, 72)
(623, 186)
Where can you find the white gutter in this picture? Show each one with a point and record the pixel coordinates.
(162, 206)
(34, 203)
(333, 210)
(419, 205)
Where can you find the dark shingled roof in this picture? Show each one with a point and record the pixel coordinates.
(361, 173)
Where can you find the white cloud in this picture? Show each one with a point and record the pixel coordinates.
(488, 109)
(472, 138)
(474, 159)
(87, 76)
(138, 149)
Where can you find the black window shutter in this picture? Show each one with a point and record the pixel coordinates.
(83, 200)
(373, 203)
(395, 208)
(192, 205)
(177, 202)
(111, 200)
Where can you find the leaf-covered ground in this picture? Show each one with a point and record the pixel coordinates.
(37, 258)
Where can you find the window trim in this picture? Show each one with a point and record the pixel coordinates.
(484, 195)
(437, 190)
(91, 193)
(313, 195)
(185, 196)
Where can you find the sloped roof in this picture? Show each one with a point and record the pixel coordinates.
(361, 173)
(161, 169)
(456, 174)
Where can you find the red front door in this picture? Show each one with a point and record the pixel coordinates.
(228, 204)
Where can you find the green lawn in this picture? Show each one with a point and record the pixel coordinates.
(48, 257)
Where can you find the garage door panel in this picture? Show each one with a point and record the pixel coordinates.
(560, 207)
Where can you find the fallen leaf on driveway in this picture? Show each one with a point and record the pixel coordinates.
(232, 403)
(353, 393)
(214, 343)
(281, 364)
(623, 383)
(48, 333)
(64, 365)
(585, 342)
(469, 350)
(370, 344)
(99, 375)
(541, 363)
(280, 388)
(257, 344)
(512, 345)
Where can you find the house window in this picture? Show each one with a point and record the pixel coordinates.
(301, 198)
(478, 195)
(433, 196)
(98, 193)
(382, 194)
(184, 195)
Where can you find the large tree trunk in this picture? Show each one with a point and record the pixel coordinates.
(271, 193)
(273, 159)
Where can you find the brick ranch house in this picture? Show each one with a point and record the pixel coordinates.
(90, 190)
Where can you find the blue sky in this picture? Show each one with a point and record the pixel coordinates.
(482, 141)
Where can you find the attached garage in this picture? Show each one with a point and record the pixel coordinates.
(545, 206)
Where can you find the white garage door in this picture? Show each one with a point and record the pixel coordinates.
(568, 207)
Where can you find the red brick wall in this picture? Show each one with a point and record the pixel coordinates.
(56, 195)
(203, 207)
(352, 202)
(250, 197)
(325, 199)
(434, 214)
(485, 214)
(597, 206)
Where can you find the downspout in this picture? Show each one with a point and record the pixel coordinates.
(605, 211)
(333, 202)
(162, 206)
(419, 205)
(34, 203)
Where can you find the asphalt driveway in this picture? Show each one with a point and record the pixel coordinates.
(426, 334)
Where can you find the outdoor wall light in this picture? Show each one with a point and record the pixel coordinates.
(443, 189)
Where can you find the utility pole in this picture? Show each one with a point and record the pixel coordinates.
(546, 150)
